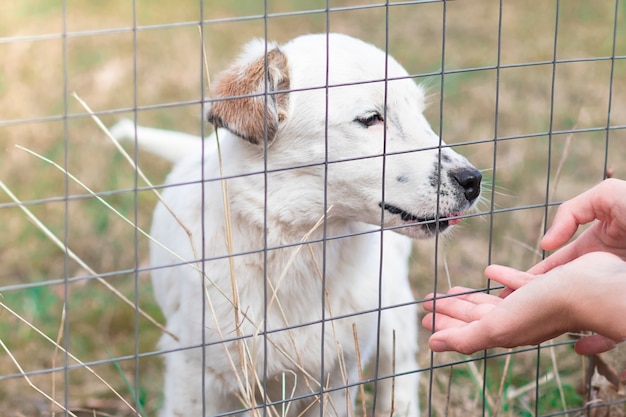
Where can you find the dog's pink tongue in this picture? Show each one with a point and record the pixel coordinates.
(454, 221)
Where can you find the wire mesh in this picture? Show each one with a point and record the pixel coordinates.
(532, 93)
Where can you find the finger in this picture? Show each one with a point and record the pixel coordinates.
(594, 344)
(485, 334)
(428, 301)
(595, 203)
(563, 228)
(472, 295)
(506, 292)
(458, 292)
(438, 322)
(465, 339)
(558, 258)
(466, 310)
(509, 277)
(586, 242)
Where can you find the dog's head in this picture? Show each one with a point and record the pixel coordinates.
(350, 117)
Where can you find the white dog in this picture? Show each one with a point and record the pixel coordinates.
(272, 267)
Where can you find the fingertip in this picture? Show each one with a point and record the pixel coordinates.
(507, 276)
(564, 226)
(547, 238)
(550, 243)
(499, 268)
(428, 303)
(496, 272)
(592, 345)
(489, 269)
(427, 322)
(459, 340)
(438, 345)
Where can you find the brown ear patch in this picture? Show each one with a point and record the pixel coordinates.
(247, 103)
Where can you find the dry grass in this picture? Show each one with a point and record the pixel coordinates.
(99, 67)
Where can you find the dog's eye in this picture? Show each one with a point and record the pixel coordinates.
(370, 120)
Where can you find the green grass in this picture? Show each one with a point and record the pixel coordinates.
(100, 70)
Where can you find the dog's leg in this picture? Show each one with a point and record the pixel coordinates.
(336, 402)
(398, 350)
(183, 394)
(398, 341)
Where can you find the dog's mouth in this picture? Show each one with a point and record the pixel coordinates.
(427, 224)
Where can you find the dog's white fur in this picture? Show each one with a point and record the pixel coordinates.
(279, 319)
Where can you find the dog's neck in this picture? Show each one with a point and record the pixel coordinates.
(275, 228)
(282, 254)
(259, 196)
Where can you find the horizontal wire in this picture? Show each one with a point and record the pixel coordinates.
(110, 193)
(110, 274)
(182, 103)
(204, 22)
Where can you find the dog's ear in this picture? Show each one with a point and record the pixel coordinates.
(248, 101)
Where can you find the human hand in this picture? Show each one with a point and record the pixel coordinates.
(606, 202)
(586, 294)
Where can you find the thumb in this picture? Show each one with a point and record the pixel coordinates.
(594, 344)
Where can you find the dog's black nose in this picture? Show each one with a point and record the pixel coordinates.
(469, 179)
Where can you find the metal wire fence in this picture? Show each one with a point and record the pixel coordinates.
(532, 93)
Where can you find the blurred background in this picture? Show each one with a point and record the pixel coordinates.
(533, 93)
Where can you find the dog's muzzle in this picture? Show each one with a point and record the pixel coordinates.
(428, 225)
(467, 182)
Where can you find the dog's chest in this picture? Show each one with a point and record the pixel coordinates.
(308, 283)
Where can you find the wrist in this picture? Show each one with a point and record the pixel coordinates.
(596, 298)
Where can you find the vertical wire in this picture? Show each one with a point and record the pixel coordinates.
(493, 180)
(325, 206)
(66, 272)
(591, 365)
(203, 265)
(436, 252)
(136, 212)
(551, 119)
(382, 215)
(610, 100)
(548, 170)
(265, 205)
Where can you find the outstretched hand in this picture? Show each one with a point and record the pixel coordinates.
(582, 286)
(541, 308)
(606, 202)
